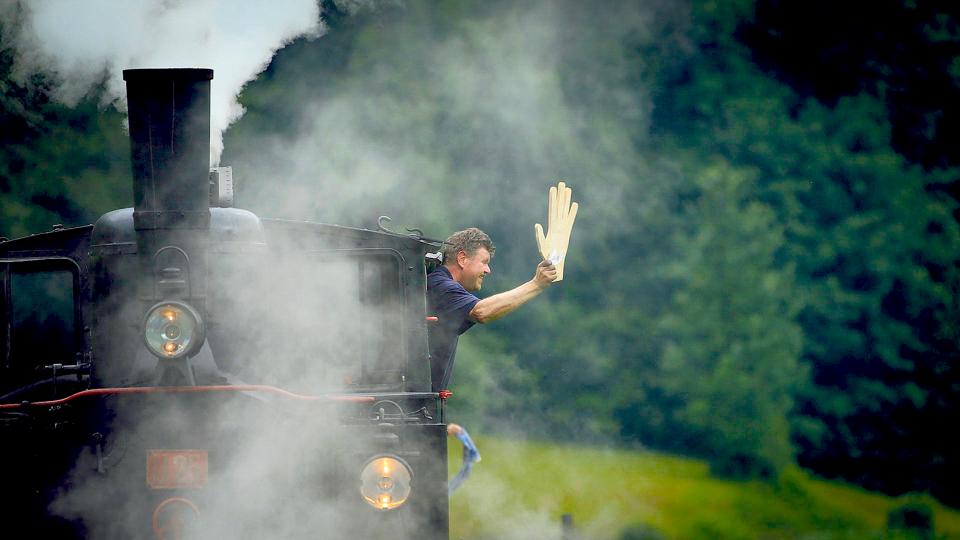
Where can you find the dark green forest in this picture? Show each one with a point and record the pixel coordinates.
(765, 269)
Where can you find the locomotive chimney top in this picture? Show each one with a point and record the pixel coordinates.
(166, 74)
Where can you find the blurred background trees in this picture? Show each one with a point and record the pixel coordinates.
(765, 266)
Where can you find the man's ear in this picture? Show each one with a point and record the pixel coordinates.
(462, 258)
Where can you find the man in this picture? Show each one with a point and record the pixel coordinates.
(466, 261)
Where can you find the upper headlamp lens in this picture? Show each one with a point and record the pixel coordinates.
(172, 330)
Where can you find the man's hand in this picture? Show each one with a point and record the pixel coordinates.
(561, 213)
(546, 274)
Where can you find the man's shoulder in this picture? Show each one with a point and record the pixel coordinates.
(440, 277)
(443, 290)
(448, 299)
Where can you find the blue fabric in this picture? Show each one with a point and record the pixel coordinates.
(470, 452)
(451, 304)
(471, 455)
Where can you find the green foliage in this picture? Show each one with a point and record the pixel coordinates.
(902, 52)
(58, 164)
(72, 171)
(499, 389)
(733, 345)
(873, 241)
(911, 519)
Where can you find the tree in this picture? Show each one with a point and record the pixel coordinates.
(733, 345)
(58, 164)
(873, 239)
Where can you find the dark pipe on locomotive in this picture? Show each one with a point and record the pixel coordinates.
(169, 114)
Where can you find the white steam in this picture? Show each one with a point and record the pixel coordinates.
(493, 109)
(83, 41)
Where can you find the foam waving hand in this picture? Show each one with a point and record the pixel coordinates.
(561, 213)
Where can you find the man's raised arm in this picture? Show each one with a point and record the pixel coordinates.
(498, 305)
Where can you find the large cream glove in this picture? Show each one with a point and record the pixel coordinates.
(561, 214)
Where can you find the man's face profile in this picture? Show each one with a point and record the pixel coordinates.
(473, 268)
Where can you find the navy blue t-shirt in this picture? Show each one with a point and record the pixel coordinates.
(451, 304)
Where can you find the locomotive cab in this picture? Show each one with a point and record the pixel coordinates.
(183, 370)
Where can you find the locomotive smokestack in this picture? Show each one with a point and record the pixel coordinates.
(169, 113)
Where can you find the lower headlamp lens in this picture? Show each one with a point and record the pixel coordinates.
(385, 482)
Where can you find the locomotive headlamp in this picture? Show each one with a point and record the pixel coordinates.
(385, 482)
(172, 330)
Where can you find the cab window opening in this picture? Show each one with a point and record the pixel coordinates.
(42, 311)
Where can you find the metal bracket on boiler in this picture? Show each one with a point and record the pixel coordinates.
(390, 411)
(174, 372)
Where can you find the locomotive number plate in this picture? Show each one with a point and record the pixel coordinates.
(176, 469)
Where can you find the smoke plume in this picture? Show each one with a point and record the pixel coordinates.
(90, 42)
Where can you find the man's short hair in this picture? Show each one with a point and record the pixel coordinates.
(468, 241)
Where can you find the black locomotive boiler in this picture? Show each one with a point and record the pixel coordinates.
(184, 369)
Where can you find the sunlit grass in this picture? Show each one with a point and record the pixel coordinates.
(521, 489)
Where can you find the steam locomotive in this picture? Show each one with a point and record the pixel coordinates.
(186, 369)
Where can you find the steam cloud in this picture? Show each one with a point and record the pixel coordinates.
(85, 41)
(494, 109)
(270, 458)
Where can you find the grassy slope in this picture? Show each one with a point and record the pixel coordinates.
(521, 489)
